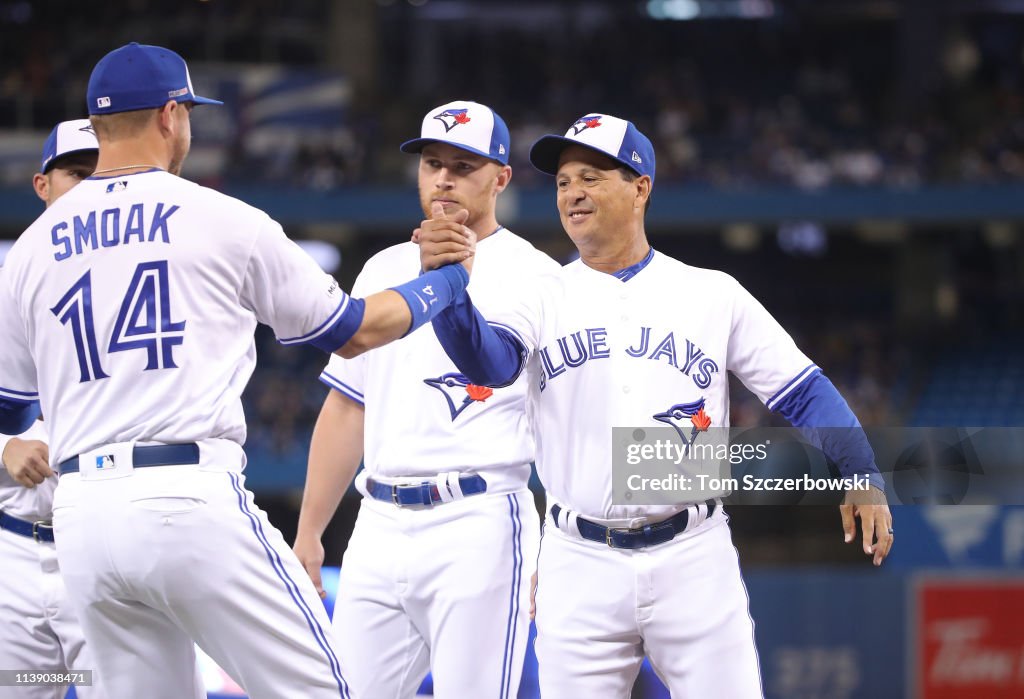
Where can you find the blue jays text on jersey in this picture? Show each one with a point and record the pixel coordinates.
(592, 343)
(143, 223)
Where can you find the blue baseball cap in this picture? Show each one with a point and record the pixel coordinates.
(138, 76)
(67, 137)
(617, 138)
(466, 125)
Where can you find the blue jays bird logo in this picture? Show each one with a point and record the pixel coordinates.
(459, 392)
(587, 122)
(452, 118)
(88, 129)
(677, 417)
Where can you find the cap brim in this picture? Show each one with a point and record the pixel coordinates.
(52, 162)
(196, 99)
(416, 145)
(547, 150)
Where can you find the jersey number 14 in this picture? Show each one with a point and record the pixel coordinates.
(144, 321)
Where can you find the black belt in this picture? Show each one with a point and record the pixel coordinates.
(425, 493)
(40, 531)
(650, 535)
(157, 455)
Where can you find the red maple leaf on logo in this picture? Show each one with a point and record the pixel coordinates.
(480, 393)
(593, 123)
(462, 118)
(701, 421)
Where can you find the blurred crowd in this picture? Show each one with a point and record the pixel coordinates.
(729, 104)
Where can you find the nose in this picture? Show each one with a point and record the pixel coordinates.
(573, 193)
(444, 180)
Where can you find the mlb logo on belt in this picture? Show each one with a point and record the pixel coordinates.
(105, 461)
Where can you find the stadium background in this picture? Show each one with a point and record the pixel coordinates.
(856, 164)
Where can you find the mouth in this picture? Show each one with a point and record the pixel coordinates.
(446, 202)
(578, 215)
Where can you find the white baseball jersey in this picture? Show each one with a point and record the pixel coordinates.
(32, 504)
(127, 334)
(613, 353)
(422, 416)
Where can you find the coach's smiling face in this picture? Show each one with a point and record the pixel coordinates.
(600, 206)
(459, 179)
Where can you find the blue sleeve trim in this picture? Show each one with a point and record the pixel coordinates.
(322, 328)
(24, 396)
(488, 356)
(804, 374)
(343, 329)
(823, 417)
(342, 387)
(512, 331)
(17, 415)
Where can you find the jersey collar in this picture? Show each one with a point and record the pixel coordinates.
(629, 272)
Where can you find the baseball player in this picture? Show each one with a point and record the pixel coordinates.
(437, 573)
(128, 309)
(615, 343)
(39, 631)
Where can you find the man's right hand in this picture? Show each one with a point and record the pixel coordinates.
(27, 460)
(445, 240)
(310, 553)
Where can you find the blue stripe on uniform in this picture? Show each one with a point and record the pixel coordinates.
(342, 387)
(293, 590)
(23, 396)
(512, 624)
(793, 383)
(323, 327)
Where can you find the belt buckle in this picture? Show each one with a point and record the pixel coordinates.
(423, 490)
(35, 529)
(608, 535)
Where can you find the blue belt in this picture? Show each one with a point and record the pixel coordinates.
(424, 493)
(158, 455)
(40, 531)
(641, 537)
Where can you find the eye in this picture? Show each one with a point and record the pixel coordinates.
(589, 179)
(562, 184)
(464, 167)
(434, 164)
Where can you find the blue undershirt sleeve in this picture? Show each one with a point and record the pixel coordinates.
(823, 417)
(17, 416)
(488, 356)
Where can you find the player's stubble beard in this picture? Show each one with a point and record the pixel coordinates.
(181, 148)
(182, 144)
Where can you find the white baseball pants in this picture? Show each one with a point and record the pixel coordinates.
(682, 603)
(39, 631)
(172, 554)
(445, 589)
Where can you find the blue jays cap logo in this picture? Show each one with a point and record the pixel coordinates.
(452, 118)
(88, 129)
(587, 122)
(677, 416)
(459, 392)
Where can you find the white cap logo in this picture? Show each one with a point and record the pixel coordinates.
(102, 102)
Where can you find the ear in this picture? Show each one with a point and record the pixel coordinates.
(41, 183)
(643, 192)
(504, 177)
(166, 116)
